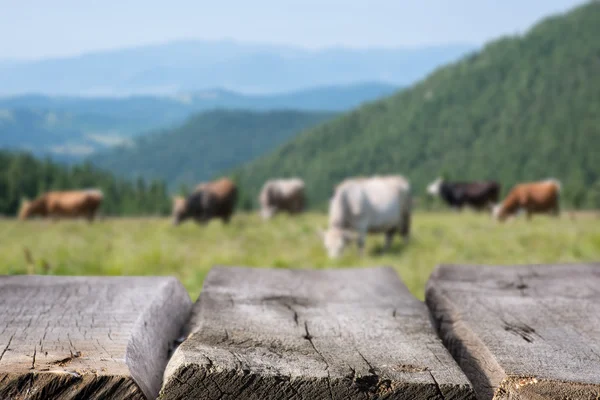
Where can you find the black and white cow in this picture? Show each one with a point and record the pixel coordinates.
(478, 195)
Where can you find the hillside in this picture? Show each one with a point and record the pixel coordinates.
(523, 108)
(206, 145)
(69, 128)
(196, 65)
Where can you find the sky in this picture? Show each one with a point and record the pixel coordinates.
(35, 29)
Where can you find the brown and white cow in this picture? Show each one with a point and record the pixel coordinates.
(209, 200)
(282, 195)
(63, 204)
(532, 198)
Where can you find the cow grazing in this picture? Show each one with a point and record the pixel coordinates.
(478, 195)
(532, 198)
(215, 199)
(380, 204)
(64, 204)
(282, 195)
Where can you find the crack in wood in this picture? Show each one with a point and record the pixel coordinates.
(63, 362)
(7, 346)
(34, 354)
(371, 369)
(526, 332)
(437, 386)
(309, 337)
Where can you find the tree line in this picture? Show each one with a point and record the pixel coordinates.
(24, 176)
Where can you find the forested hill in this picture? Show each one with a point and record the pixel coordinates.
(24, 176)
(206, 145)
(523, 108)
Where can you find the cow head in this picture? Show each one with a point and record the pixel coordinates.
(434, 187)
(335, 240)
(25, 210)
(498, 213)
(179, 210)
(267, 212)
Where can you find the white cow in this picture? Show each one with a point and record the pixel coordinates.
(380, 204)
(282, 195)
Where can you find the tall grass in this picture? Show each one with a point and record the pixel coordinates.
(154, 247)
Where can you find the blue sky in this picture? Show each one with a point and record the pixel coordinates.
(46, 28)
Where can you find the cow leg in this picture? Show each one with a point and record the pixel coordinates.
(405, 226)
(389, 236)
(360, 242)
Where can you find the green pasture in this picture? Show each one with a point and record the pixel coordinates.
(149, 246)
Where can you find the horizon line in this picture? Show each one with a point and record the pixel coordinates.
(195, 92)
(233, 41)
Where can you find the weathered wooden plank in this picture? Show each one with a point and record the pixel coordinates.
(87, 337)
(301, 334)
(522, 332)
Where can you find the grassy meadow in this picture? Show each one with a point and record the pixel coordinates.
(151, 246)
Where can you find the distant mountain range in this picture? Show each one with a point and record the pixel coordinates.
(187, 66)
(69, 128)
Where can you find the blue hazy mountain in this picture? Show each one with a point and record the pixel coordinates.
(187, 66)
(73, 127)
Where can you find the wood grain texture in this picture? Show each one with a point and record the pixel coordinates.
(306, 334)
(87, 337)
(522, 332)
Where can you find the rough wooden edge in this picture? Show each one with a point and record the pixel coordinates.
(473, 358)
(154, 335)
(214, 386)
(53, 385)
(522, 387)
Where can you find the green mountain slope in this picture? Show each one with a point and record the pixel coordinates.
(523, 108)
(206, 145)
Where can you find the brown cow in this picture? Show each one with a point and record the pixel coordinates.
(215, 199)
(282, 195)
(533, 198)
(65, 204)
